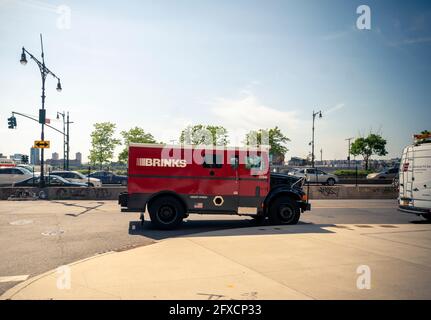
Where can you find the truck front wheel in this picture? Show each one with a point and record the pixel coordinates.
(284, 211)
(166, 213)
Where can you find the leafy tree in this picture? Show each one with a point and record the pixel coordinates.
(205, 135)
(425, 132)
(103, 143)
(274, 137)
(367, 146)
(134, 135)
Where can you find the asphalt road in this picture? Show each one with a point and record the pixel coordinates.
(37, 236)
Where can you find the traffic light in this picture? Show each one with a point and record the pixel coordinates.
(11, 122)
(24, 159)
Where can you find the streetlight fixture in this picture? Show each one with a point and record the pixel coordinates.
(59, 86)
(23, 58)
(44, 71)
(319, 113)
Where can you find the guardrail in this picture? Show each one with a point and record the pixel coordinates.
(111, 193)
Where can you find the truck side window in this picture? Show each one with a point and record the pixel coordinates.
(234, 162)
(253, 162)
(213, 161)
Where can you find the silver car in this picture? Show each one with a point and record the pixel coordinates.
(387, 174)
(75, 176)
(314, 175)
(10, 175)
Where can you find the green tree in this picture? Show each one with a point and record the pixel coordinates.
(134, 135)
(205, 135)
(425, 132)
(103, 143)
(374, 144)
(274, 137)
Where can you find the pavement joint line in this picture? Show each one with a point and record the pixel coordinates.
(14, 278)
(253, 270)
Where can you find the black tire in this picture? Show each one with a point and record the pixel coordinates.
(330, 182)
(284, 211)
(427, 216)
(166, 212)
(91, 185)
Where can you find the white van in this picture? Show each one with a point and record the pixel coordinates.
(415, 177)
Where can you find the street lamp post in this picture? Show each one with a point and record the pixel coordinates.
(312, 136)
(44, 72)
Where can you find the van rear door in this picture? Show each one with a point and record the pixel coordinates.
(421, 176)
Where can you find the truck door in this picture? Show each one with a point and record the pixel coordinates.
(406, 176)
(221, 180)
(253, 181)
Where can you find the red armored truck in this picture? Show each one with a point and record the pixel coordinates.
(174, 181)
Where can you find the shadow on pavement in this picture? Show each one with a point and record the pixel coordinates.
(194, 227)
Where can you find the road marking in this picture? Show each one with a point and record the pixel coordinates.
(14, 278)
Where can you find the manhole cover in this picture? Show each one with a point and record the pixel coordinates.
(21, 222)
(363, 226)
(387, 226)
(52, 232)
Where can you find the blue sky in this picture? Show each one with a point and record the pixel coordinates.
(163, 65)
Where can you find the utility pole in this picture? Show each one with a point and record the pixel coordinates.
(44, 72)
(312, 136)
(348, 152)
(64, 137)
(67, 141)
(321, 155)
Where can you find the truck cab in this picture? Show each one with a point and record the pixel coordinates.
(174, 181)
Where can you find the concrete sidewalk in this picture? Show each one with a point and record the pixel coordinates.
(272, 262)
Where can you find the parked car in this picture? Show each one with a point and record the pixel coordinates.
(108, 177)
(50, 181)
(10, 175)
(387, 174)
(75, 176)
(315, 176)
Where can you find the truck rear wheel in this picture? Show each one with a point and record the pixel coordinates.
(166, 213)
(284, 211)
(427, 216)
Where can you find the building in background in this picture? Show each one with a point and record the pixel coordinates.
(34, 156)
(16, 157)
(78, 157)
(58, 163)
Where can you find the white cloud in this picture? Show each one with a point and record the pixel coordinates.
(247, 113)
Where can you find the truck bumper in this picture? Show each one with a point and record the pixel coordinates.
(305, 206)
(123, 199)
(414, 210)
